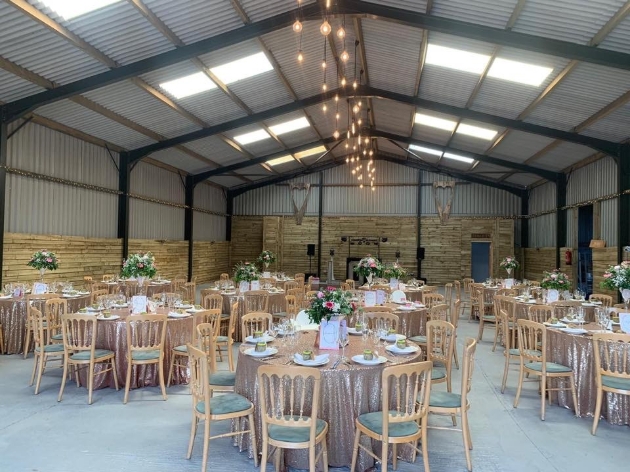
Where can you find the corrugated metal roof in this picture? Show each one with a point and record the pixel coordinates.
(226, 181)
(78, 117)
(387, 146)
(471, 143)
(181, 160)
(585, 91)
(258, 148)
(249, 90)
(257, 10)
(392, 65)
(325, 121)
(568, 20)
(563, 156)
(13, 87)
(523, 179)
(413, 5)
(393, 117)
(494, 13)
(614, 127)
(518, 146)
(430, 134)
(216, 149)
(619, 38)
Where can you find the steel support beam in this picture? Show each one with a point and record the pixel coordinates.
(488, 34)
(545, 174)
(188, 222)
(124, 174)
(3, 189)
(623, 218)
(419, 225)
(561, 216)
(320, 214)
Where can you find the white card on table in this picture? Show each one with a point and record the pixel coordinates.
(255, 284)
(509, 283)
(39, 288)
(393, 284)
(402, 286)
(370, 298)
(138, 304)
(266, 274)
(315, 282)
(624, 321)
(380, 297)
(329, 334)
(243, 286)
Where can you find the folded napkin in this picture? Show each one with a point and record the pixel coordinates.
(318, 358)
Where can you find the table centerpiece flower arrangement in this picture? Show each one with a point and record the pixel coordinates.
(265, 258)
(139, 266)
(44, 260)
(369, 267)
(553, 282)
(617, 277)
(244, 274)
(394, 272)
(509, 263)
(328, 303)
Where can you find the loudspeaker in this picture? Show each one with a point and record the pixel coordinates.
(420, 253)
(310, 249)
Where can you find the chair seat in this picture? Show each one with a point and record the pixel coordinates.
(294, 434)
(225, 316)
(374, 422)
(85, 355)
(419, 339)
(279, 315)
(182, 348)
(437, 374)
(445, 400)
(222, 339)
(223, 379)
(615, 382)
(551, 367)
(517, 352)
(51, 348)
(489, 318)
(57, 337)
(225, 404)
(145, 355)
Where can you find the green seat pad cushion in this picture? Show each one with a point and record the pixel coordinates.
(224, 404)
(145, 355)
(551, 367)
(294, 434)
(222, 339)
(223, 378)
(51, 348)
(182, 348)
(445, 399)
(374, 422)
(437, 374)
(615, 382)
(85, 355)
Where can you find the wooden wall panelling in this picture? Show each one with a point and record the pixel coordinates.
(211, 259)
(171, 257)
(602, 258)
(447, 250)
(272, 239)
(247, 239)
(538, 260)
(295, 239)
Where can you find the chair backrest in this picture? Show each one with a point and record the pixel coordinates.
(430, 299)
(440, 342)
(457, 289)
(256, 300)
(539, 313)
(476, 294)
(232, 322)
(54, 308)
(145, 332)
(406, 390)
(467, 282)
(606, 300)
(300, 275)
(346, 287)
(132, 288)
(292, 306)
(503, 321)
(390, 319)
(79, 333)
(211, 317)
(532, 341)
(212, 301)
(448, 293)
(429, 289)
(39, 322)
(290, 285)
(284, 396)
(98, 293)
(300, 281)
(454, 314)
(508, 292)
(298, 293)
(534, 283)
(205, 340)
(310, 295)
(496, 304)
(383, 287)
(190, 288)
(255, 321)
(267, 282)
(468, 367)
(199, 378)
(108, 277)
(377, 309)
(612, 357)
(439, 312)
(99, 286)
(351, 283)
(224, 277)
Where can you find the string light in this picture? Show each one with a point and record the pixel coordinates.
(343, 81)
(336, 134)
(345, 57)
(341, 32)
(300, 56)
(297, 26)
(325, 28)
(324, 108)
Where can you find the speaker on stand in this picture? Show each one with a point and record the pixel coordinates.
(420, 258)
(310, 252)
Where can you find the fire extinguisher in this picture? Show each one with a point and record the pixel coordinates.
(567, 257)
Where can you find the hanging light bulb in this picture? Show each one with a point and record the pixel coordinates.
(323, 64)
(360, 103)
(371, 153)
(360, 121)
(355, 109)
(347, 160)
(354, 172)
(367, 140)
(361, 186)
(336, 134)
(343, 81)
(353, 128)
(360, 177)
(348, 145)
(324, 108)
(352, 159)
(371, 161)
(300, 56)
(354, 147)
(373, 188)
(365, 152)
(337, 116)
(325, 28)
(344, 56)
(354, 84)
(336, 100)
(297, 26)
(324, 87)
(341, 33)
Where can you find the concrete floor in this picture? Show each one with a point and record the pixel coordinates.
(37, 434)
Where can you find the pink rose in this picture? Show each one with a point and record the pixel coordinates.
(509, 259)
(140, 265)
(607, 275)
(49, 260)
(372, 264)
(331, 289)
(329, 305)
(554, 276)
(320, 294)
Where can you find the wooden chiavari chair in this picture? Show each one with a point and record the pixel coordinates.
(290, 285)
(374, 317)
(352, 283)
(53, 309)
(97, 294)
(30, 318)
(606, 300)
(377, 309)
(227, 341)
(256, 300)
(224, 277)
(206, 338)
(430, 299)
(44, 350)
(298, 293)
(539, 313)
(440, 346)
(448, 294)
(255, 321)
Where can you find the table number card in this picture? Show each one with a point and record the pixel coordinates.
(243, 287)
(255, 284)
(370, 298)
(508, 283)
(39, 288)
(329, 334)
(138, 304)
(624, 322)
(380, 297)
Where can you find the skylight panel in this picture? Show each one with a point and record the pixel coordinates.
(432, 121)
(310, 152)
(188, 85)
(289, 126)
(457, 157)
(426, 150)
(281, 160)
(252, 137)
(519, 72)
(242, 68)
(456, 59)
(476, 131)
(71, 9)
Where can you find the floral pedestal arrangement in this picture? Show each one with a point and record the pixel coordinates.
(554, 282)
(369, 267)
(244, 274)
(140, 267)
(618, 278)
(509, 264)
(43, 260)
(329, 309)
(265, 258)
(394, 272)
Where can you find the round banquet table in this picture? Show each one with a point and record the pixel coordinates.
(13, 318)
(152, 288)
(522, 308)
(112, 335)
(410, 322)
(347, 392)
(576, 351)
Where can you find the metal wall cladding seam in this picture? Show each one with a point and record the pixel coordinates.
(542, 198)
(610, 221)
(542, 231)
(209, 198)
(382, 201)
(41, 150)
(41, 207)
(276, 200)
(594, 180)
(208, 227)
(13, 87)
(469, 199)
(493, 13)
(151, 181)
(148, 220)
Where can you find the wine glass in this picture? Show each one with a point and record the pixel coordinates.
(343, 340)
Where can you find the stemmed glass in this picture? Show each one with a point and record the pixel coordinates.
(603, 318)
(343, 340)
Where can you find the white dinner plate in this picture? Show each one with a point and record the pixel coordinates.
(270, 351)
(184, 307)
(354, 332)
(393, 337)
(396, 350)
(566, 320)
(588, 304)
(264, 339)
(120, 305)
(93, 310)
(194, 310)
(102, 317)
(555, 325)
(407, 308)
(377, 360)
(574, 330)
(5, 297)
(174, 314)
(322, 359)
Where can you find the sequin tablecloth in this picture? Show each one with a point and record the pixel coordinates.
(112, 335)
(347, 392)
(576, 351)
(410, 322)
(522, 308)
(152, 288)
(13, 319)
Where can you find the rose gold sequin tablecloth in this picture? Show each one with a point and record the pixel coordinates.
(151, 288)
(112, 335)
(13, 319)
(576, 351)
(410, 322)
(522, 308)
(347, 392)
(413, 295)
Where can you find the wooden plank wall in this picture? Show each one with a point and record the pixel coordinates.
(602, 258)
(447, 250)
(171, 257)
(295, 239)
(538, 260)
(272, 239)
(210, 260)
(247, 240)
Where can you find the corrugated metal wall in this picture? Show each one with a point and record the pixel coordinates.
(542, 229)
(208, 227)
(148, 220)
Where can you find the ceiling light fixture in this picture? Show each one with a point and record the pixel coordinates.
(457, 157)
(426, 150)
(519, 72)
(242, 68)
(456, 59)
(433, 122)
(251, 137)
(297, 26)
(289, 126)
(69, 10)
(188, 85)
(476, 131)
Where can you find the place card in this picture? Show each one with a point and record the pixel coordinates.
(370, 298)
(329, 334)
(138, 304)
(624, 322)
(393, 284)
(255, 284)
(243, 286)
(380, 297)
(508, 283)
(39, 288)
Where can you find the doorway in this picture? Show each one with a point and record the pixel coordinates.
(585, 253)
(480, 260)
